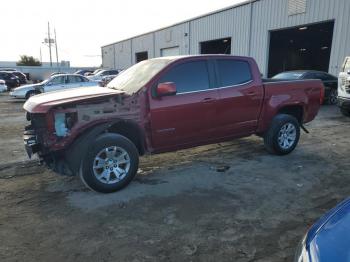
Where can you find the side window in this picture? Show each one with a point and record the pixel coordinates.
(328, 77)
(321, 76)
(188, 77)
(57, 80)
(74, 79)
(233, 72)
(309, 76)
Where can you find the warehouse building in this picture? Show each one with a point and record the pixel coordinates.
(280, 34)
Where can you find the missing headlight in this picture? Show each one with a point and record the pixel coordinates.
(60, 124)
(64, 122)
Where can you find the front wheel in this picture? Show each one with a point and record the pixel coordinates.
(110, 163)
(283, 135)
(31, 93)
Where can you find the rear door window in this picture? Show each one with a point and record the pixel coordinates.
(74, 79)
(233, 72)
(188, 77)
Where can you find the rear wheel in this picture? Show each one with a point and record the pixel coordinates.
(283, 135)
(110, 163)
(333, 97)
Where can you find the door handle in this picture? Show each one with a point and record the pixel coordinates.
(251, 93)
(208, 100)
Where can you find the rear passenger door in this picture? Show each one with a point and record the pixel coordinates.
(74, 81)
(189, 116)
(240, 98)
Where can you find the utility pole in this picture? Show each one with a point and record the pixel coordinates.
(56, 47)
(41, 57)
(49, 38)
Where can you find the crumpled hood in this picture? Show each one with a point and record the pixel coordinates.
(44, 102)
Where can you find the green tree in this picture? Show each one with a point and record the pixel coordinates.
(28, 61)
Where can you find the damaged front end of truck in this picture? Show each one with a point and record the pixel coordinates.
(62, 124)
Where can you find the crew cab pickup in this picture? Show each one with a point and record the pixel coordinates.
(165, 104)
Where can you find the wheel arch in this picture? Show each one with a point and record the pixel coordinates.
(131, 130)
(294, 110)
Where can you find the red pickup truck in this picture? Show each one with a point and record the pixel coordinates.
(165, 104)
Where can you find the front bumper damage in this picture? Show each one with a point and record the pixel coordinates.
(30, 142)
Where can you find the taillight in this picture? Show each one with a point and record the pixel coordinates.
(321, 95)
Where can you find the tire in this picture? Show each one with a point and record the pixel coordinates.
(333, 97)
(283, 135)
(110, 164)
(31, 93)
(345, 112)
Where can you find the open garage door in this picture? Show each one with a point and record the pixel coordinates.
(306, 47)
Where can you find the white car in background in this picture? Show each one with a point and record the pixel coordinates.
(98, 76)
(344, 88)
(3, 86)
(54, 83)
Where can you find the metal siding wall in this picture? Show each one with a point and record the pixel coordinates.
(171, 37)
(273, 14)
(229, 23)
(108, 56)
(267, 15)
(141, 44)
(123, 54)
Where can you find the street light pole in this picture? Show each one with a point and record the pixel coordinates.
(49, 37)
(56, 47)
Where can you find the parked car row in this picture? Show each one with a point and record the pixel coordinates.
(103, 73)
(54, 83)
(60, 81)
(10, 79)
(329, 81)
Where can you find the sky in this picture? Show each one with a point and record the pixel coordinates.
(82, 27)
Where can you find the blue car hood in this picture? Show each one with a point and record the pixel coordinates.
(329, 238)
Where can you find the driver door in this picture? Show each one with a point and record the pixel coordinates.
(188, 117)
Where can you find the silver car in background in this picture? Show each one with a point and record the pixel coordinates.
(98, 76)
(54, 83)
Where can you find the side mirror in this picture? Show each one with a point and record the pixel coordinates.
(166, 89)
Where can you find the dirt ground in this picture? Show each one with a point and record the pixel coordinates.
(224, 202)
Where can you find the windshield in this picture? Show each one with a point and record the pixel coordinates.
(134, 78)
(288, 75)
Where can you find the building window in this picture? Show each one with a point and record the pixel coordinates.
(296, 7)
(218, 46)
(141, 56)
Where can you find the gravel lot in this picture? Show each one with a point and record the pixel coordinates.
(223, 202)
